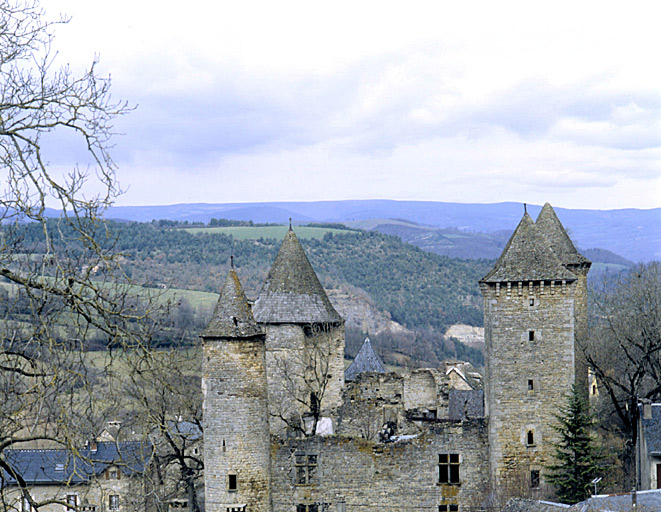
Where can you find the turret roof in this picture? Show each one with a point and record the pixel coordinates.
(366, 361)
(232, 317)
(551, 228)
(528, 257)
(292, 292)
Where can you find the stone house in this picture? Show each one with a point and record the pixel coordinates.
(648, 446)
(101, 477)
(439, 439)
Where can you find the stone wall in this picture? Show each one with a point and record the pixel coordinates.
(301, 359)
(530, 369)
(236, 431)
(354, 475)
(97, 493)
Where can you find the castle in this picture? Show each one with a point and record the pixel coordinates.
(285, 432)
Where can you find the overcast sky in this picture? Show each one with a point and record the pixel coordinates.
(448, 101)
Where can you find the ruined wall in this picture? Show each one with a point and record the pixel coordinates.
(530, 367)
(236, 431)
(370, 401)
(301, 359)
(352, 475)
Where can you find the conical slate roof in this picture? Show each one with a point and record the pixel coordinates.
(292, 292)
(550, 227)
(528, 257)
(232, 317)
(366, 361)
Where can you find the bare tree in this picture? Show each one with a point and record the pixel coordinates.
(60, 276)
(625, 347)
(305, 372)
(164, 402)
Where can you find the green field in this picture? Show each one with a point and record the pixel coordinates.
(277, 232)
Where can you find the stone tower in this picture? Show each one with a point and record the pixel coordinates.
(236, 429)
(304, 341)
(534, 316)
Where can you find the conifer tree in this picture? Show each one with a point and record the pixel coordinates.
(576, 454)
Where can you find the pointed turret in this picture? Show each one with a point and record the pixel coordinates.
(527, 256)
(366, 361)
(232, 317)
(236, 428)
(292, 292)
(549, 226)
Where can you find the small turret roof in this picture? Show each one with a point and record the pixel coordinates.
(528, 257)
(232, 317)
(366, 361)
(292, 292)
(551, 229)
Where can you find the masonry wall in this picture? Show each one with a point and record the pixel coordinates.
(526, 379)
(358, 475)
(95, 494)
(236, 431)
(298, 359)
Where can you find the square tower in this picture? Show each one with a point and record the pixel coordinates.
(534, 318)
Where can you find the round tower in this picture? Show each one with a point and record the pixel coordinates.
(236, 429)
(533, 314)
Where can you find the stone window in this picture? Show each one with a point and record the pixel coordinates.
(72, 501)
(305, 468)
(236, 508)
(534, 479)
(532, 302)
(232, 482)
(531, 385)
(113, 474)
(312, 507)
(530, 438)
(531, 335)
(113, 502)
(448, 468)
(450, 507)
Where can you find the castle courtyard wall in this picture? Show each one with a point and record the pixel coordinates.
(354, 474)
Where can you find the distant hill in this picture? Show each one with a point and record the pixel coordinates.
(631, 233)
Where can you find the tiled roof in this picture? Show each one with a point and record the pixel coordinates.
(528, 257)
(552, 230)
(292, 292)
(647, 501)
(652, 430)
(366, 361)
(48, 466)
(232, 317)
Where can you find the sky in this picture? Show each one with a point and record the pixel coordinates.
(475, 102)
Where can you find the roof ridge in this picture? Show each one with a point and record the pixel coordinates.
(527, 256)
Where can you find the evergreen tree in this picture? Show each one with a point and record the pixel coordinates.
(576, 454)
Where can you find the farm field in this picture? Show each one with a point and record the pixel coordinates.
(276, 232)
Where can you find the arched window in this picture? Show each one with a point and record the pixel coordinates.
(531, 437)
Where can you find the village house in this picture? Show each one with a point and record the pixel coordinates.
(103, 476)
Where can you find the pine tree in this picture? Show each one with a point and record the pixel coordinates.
(576, 454)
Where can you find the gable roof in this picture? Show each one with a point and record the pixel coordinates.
(53, 466)
(550, 227)
(528, 257)
(366, 361)
(232, 317)
(292, 292)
